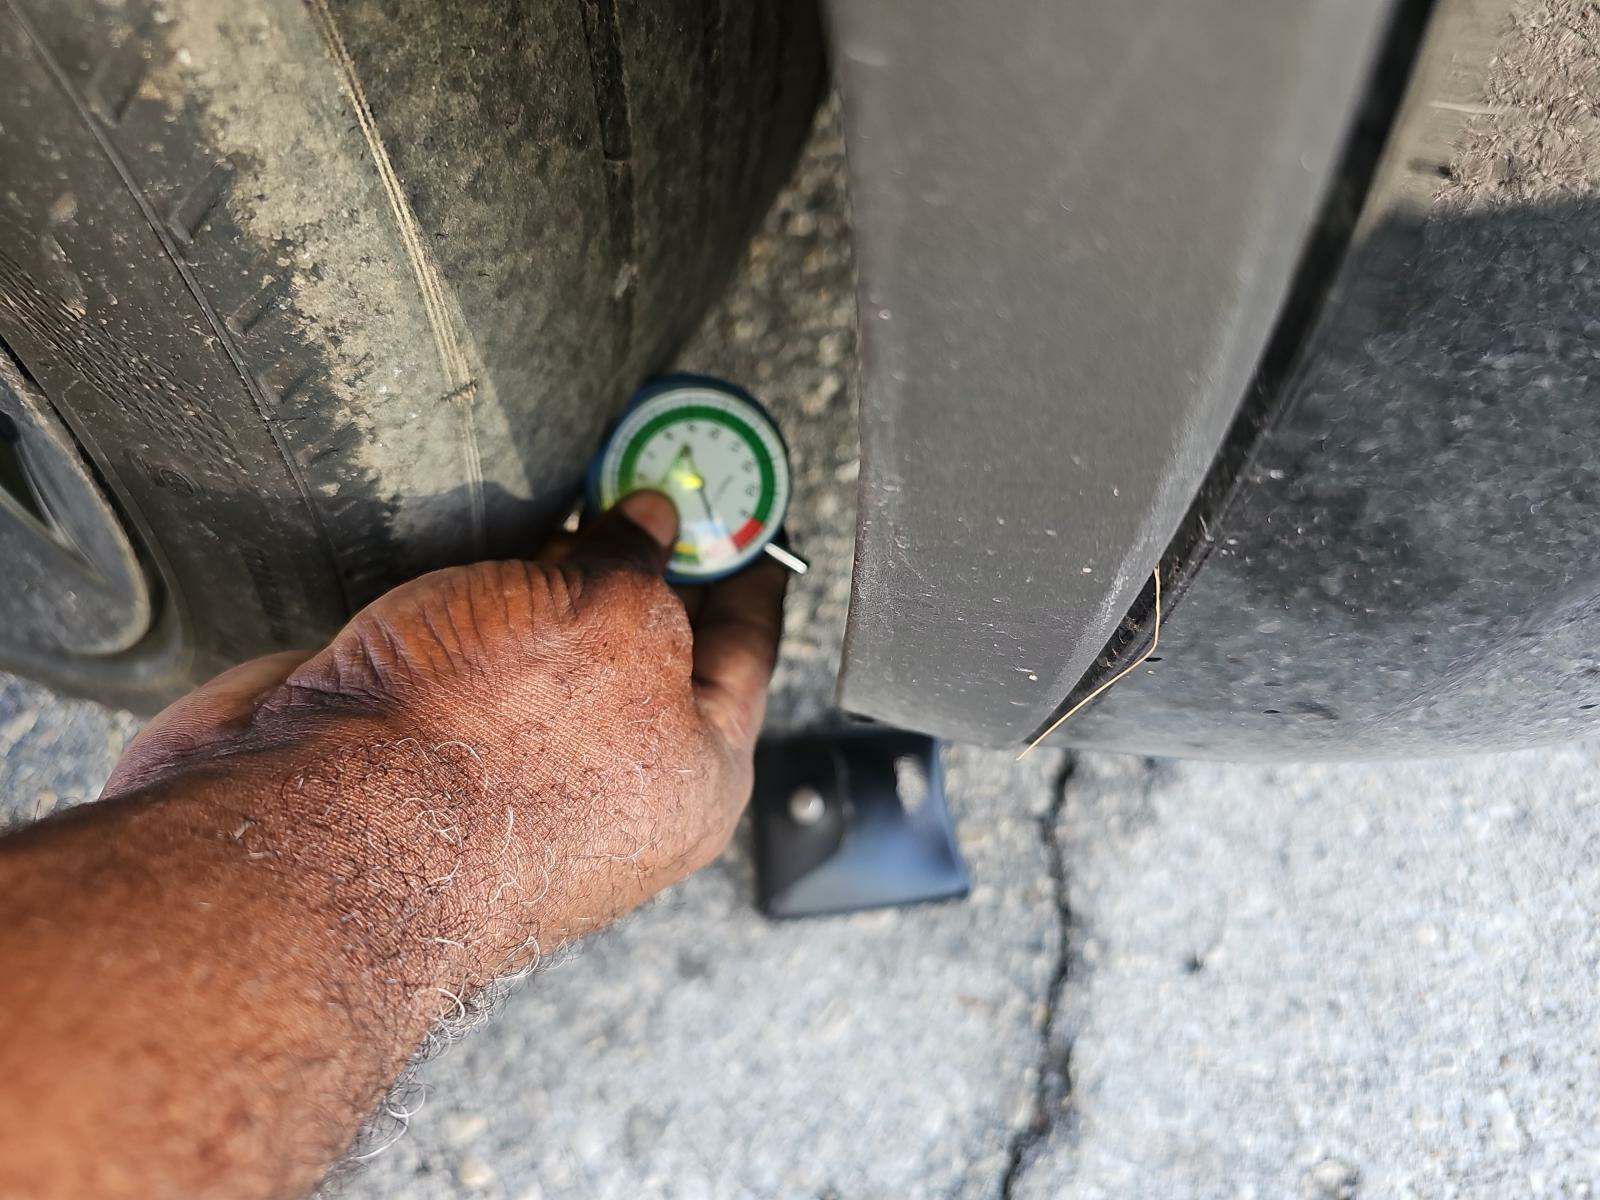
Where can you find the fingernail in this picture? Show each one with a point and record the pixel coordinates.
(652, 512)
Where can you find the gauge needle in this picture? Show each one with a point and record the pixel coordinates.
(684, 473)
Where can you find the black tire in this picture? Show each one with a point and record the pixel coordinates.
(1395, 557)
(331, 293)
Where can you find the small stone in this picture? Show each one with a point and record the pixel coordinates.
(475, 1173)
(1332, 1179)
(18, 727)
(1503, 1124)
(821, 397)
(461, 1128)
(1025, 1115)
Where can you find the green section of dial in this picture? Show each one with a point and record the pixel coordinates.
(628, 482)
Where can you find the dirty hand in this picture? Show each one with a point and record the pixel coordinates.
(566, 728)
(313, 860)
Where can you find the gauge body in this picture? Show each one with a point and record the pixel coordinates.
(714, 450)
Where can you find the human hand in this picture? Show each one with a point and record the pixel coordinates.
(556, 740)
(314, 859)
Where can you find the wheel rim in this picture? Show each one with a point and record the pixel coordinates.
(71, 581)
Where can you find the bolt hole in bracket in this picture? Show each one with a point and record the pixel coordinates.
(853, 819)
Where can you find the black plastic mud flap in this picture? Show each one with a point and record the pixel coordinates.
(851, 820)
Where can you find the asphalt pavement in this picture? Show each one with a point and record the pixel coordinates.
(1172, 979)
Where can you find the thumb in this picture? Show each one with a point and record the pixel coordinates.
(636, 533)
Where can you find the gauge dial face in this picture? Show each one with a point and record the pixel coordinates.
(720, 459)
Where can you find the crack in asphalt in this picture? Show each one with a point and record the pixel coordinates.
(1053, 1081)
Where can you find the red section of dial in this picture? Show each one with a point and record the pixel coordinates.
(746, 533)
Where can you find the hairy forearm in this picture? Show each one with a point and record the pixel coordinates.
(208, 978)
(253, 950)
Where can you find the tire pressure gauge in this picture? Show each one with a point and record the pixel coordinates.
(719, 456)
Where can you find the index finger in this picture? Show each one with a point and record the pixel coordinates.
(735, 647)
(201, 717)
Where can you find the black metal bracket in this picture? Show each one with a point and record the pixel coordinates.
(850, 820)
